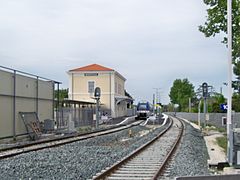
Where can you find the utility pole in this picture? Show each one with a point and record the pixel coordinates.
(157, 100)
(229, 110)
(157, 95)
(154, 105)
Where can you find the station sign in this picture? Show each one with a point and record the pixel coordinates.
(223, 106)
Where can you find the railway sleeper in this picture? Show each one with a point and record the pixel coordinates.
(141, 166)
(146, 160)
(132, 175)
(157, 162)
(128, 178)
(136, 171)
(150, 158)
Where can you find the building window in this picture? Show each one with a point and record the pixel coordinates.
(90, 74)
(119, 89)
(91, 86)
(115, 87)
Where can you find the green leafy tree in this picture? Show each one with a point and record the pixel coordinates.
(217, 23)
(236, 102)
(180, 93)
(62, 93)
(169, 108)
(214, 103)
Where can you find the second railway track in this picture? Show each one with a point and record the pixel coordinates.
(148, 161)
(13, 151)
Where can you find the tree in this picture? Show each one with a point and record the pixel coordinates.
(217, 23)
(180, 93)
(63, 93)
(236, 102)
(214, 103)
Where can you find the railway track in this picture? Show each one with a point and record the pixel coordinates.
(35, 146)
(148, 161)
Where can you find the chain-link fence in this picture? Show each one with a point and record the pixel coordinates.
(80, 117)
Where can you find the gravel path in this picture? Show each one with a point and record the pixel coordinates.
(191, 158)
(79, 160)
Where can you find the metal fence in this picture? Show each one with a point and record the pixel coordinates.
(80, 117)
(131, 112)
(83, 116)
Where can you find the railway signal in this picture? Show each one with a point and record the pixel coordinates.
(205, 89)
(97, 94)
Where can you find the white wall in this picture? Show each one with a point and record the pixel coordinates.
(32, 95)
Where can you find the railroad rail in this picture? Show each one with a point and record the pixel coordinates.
(38, 145)
(148, 161)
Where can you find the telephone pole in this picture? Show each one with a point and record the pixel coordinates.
(229, 110)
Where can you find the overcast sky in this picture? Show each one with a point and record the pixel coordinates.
(150, 42)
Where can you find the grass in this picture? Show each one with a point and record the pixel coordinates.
(84, 129)
(222, 142)
(221, 129)
(212, 127)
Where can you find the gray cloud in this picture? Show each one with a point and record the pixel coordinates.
(150, 42)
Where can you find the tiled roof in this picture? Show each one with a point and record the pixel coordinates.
(92, 67)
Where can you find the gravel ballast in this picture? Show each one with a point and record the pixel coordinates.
(83, 159)
(191, 157)
(79, 160)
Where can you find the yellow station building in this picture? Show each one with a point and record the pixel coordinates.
(84, 80)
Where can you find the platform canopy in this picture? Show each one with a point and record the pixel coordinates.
(119, 99)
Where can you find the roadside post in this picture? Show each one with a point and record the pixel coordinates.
(205, 95)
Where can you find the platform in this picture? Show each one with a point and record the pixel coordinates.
(217, 156)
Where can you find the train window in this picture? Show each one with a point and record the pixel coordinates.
(142, 107)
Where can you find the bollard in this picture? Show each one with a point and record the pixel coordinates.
(129, 133)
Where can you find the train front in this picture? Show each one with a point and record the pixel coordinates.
(143, 110)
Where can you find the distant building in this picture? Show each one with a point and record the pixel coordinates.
(84, 80)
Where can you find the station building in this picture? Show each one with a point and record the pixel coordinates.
(84, 80)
